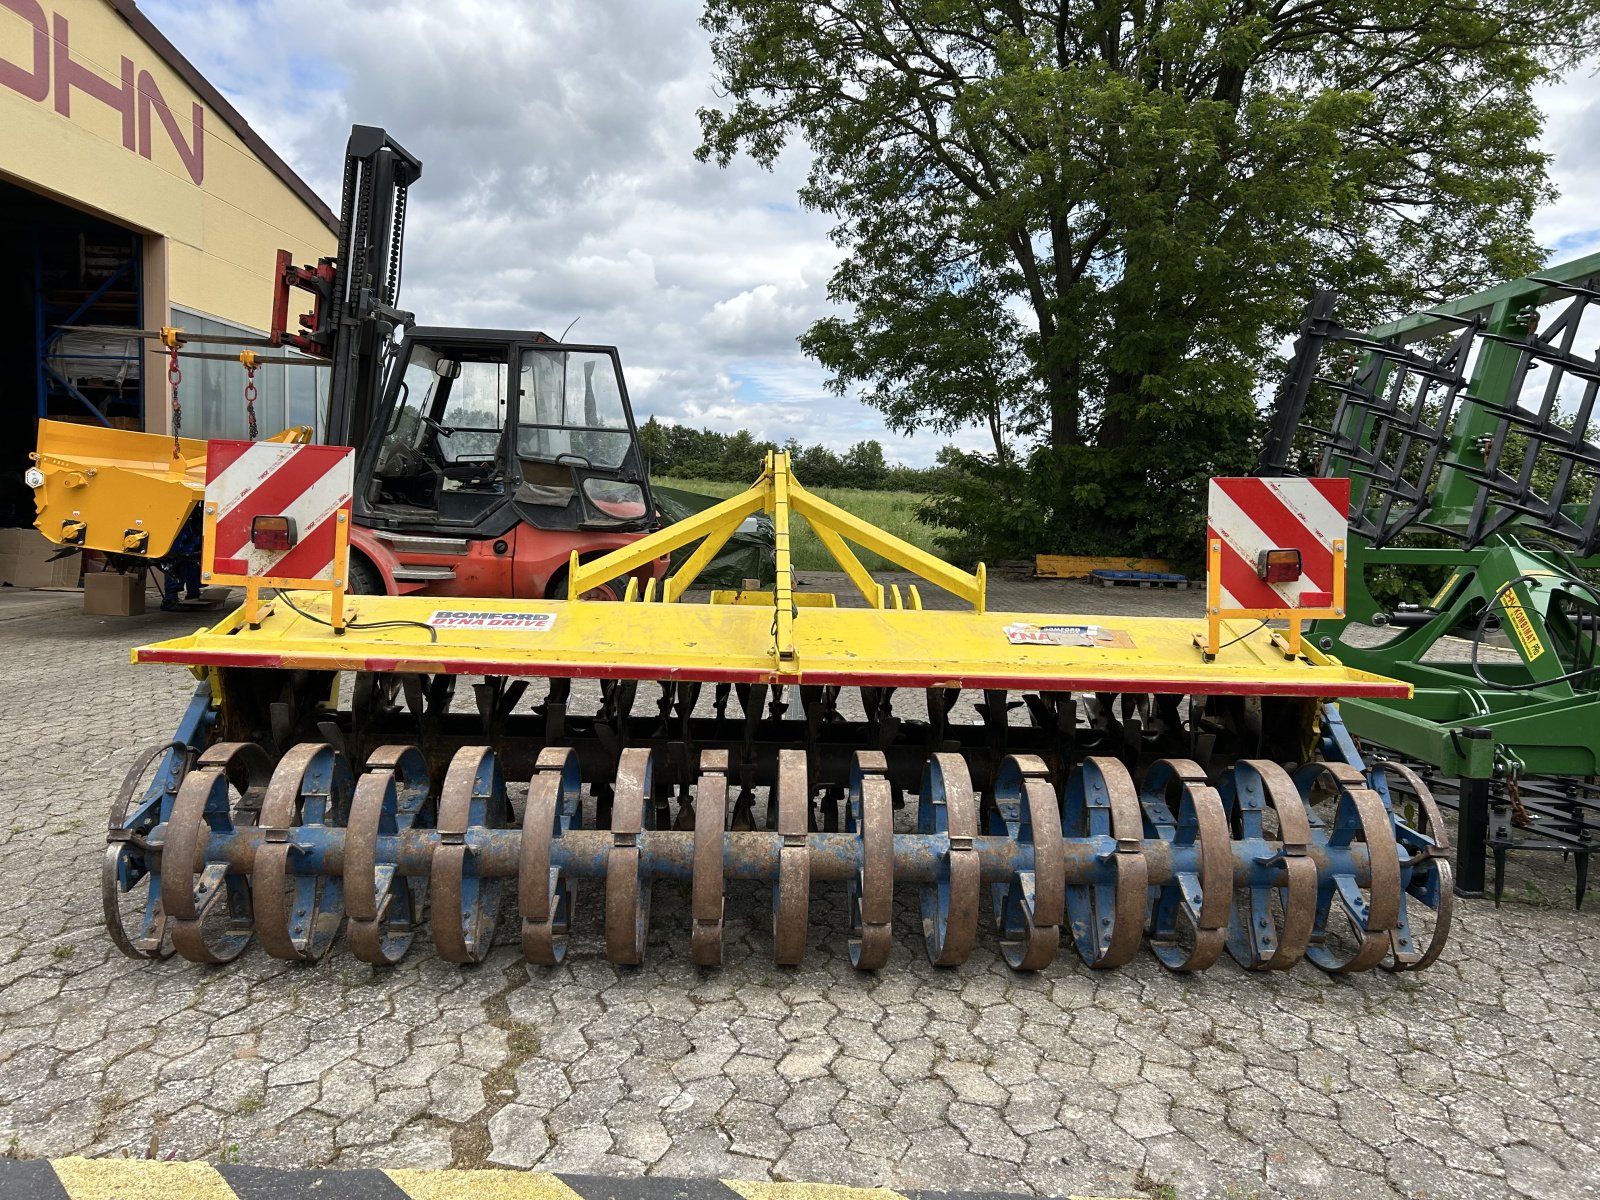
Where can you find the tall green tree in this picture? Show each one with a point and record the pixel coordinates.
(1085, 226)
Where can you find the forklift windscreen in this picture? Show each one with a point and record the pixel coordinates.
(572, 409)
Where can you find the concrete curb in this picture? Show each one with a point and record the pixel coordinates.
(120, 1178)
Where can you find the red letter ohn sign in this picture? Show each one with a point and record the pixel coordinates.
(1275, 548)
(47, 71)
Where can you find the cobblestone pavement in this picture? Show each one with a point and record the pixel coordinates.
(1480, 1078)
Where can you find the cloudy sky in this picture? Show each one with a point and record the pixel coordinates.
(559, 182)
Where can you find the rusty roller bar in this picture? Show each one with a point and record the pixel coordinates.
(1253, 865)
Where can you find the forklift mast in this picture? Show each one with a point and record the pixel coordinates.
(354, 313)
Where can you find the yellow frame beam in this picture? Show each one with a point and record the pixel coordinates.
(778, 492)
(724, 516)
(969, 586)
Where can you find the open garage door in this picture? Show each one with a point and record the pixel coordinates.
(62, 267)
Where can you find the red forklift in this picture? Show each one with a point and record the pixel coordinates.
(484, 457)
(492, 456)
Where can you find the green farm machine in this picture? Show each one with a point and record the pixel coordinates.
(1467, 434)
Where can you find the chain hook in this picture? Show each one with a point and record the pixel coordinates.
(248, 358)
(174, 378)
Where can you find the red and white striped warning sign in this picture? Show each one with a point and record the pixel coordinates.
(1251, 516)
(307, 484)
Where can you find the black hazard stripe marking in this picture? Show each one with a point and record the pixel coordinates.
(30, 1179)
(647, 1187)
(265, 1183)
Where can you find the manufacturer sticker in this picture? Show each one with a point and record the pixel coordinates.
(520, 622)
(1517, 618)
(1066, 635)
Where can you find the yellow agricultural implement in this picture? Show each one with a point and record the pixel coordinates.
(324, 774)
(120, 491)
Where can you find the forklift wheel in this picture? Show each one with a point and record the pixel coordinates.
(365, 580)
(558, 589)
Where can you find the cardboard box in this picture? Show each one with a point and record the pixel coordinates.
(27, 560)
(112, 595)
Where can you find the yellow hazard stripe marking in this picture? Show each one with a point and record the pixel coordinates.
(489, 1185)
(140, 1179)
(1440, 596)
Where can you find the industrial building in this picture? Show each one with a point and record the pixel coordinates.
(132, 195)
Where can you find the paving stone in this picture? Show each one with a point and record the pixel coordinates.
(824, 1152)
(583, 1150)
(703, 1154)
(637, 1131)
(517, 1136)
(456, 1093)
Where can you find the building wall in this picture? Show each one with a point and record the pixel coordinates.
(94, 116)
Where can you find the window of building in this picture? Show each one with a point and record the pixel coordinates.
(212, 392)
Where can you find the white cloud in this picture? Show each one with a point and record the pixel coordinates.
(559, 182)
(755, 317)
(1571, 226)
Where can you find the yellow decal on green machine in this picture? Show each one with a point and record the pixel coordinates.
(1444, 592)
(1517, 618)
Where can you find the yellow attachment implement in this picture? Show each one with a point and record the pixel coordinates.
(1044, 811)
(778, 637)
(119, 490)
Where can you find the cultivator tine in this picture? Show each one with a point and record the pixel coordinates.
(280, 717)
(869, 814)
(617, 699)
(751, 699)
(330, 733)
(544, 896)
(940, 701)
(706, 898)
(411, 691)
(466, 904)
(191, 884)
(791, 895)
(627, 886)
(495, 698)
(553, 710)
(297, 914)
(680, 756)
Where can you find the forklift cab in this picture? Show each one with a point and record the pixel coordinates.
(480, 431)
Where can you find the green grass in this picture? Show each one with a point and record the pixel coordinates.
(893, 512)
